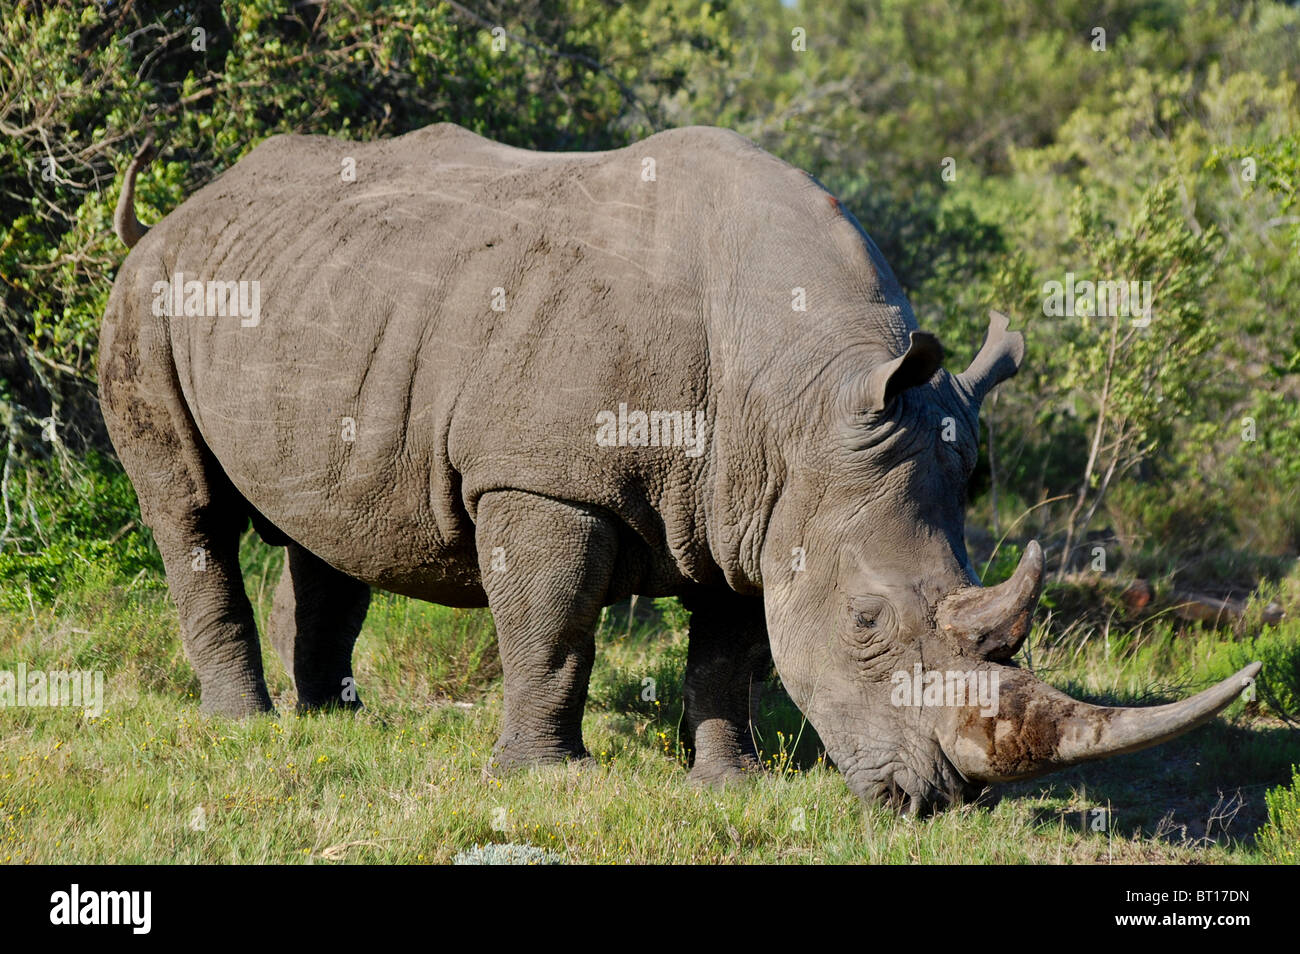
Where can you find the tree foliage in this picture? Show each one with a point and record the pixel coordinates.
(989, 147)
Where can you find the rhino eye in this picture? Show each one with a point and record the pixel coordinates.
(867, 614)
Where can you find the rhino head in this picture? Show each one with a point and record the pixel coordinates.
(878, 625)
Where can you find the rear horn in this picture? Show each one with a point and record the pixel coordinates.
(998, 359)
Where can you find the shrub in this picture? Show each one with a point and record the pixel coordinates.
(507, 854)
(1279, 840)
(675, 616)
(1278, 648)
(68, 530)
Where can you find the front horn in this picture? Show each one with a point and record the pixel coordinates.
(1038, 729)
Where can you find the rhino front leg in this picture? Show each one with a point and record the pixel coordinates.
(545, 566)
(317, 615)
(725, 664)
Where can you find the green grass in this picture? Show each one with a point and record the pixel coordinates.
(403, 781)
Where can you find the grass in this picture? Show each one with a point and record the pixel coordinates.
(402, 782)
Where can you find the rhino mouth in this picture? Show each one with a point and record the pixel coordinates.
(912, 791)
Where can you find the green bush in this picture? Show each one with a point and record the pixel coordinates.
(1002, 564)
(676, 618)
(1278, 648)
(1279, 840)
(69, 530)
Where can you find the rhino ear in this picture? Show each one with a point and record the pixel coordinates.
(884, 383)
(998, 359)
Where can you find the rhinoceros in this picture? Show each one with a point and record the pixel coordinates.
(544, 382)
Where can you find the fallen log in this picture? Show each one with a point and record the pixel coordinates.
(1202, 608)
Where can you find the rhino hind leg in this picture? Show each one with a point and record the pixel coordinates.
(316, 617)
(726, 661)
(546, 566)
(201, 557)
(195, 513)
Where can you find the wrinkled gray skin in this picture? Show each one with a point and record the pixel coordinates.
(474, 476)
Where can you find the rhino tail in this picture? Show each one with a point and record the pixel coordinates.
(125, 224)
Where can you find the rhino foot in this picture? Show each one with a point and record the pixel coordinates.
(309, 705)
(719, 772)
(237, 705)
(513, 758)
